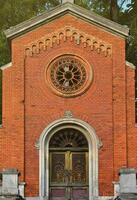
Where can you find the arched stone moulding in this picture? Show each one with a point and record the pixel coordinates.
(75, 35)
(93, 145)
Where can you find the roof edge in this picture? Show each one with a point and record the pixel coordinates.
(131, 65)
(60, 10)
(6, 66)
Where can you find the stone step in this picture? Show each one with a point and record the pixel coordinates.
(127, 197)
(11, 198)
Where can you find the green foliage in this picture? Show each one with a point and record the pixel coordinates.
(13, 12)
(0, 97)
(131, 20)
(84, 3)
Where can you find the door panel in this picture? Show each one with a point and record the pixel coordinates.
(57, 168)
(58, 193)
(80, 193)
(79, 168)
(68, 175)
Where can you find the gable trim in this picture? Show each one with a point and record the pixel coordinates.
(61, 10)
(131, 65)
(6, 66)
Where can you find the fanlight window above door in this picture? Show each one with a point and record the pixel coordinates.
(68, 138)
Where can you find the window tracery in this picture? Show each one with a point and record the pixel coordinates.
(69, 75)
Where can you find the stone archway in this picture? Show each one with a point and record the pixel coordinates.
(68, 166)
(93, 145)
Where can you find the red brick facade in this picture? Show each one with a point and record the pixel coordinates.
(29, 104)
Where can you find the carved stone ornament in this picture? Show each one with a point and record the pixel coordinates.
(37, 145)
(68, 114)
(75, 35)
(100, 144)
(69, 1)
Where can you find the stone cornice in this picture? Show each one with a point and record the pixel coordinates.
(6, 66)
(131, 65)
(75, 35)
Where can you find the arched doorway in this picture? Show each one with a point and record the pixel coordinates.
(68, 168)
(90, 156)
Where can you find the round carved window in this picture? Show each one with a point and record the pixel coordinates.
(68, 75)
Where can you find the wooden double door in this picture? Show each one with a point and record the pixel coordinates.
(69, 174)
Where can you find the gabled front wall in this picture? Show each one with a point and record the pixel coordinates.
(29, 105)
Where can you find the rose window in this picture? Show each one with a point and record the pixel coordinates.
(67, 75)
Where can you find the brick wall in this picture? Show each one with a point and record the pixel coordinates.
(131, 126)
(29, 105)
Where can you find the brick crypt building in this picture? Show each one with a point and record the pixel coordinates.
(68, 112)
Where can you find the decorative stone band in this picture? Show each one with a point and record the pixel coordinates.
(75, 35)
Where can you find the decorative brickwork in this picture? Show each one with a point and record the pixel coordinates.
(75, 35)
